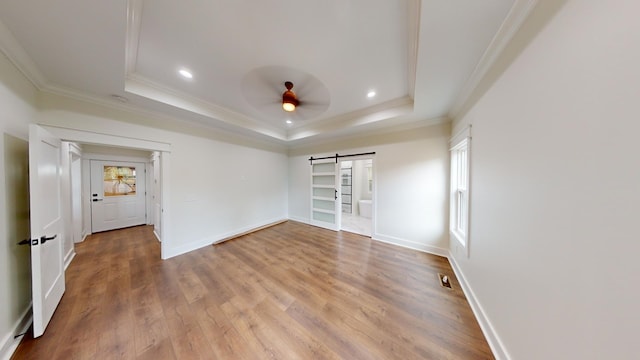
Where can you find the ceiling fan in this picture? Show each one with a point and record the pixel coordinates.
(262, 89)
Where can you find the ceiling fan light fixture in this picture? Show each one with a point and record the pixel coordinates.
(289, 99)
(288, 106)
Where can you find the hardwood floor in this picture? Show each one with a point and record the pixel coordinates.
(291, 291)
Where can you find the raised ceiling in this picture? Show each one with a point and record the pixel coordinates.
(422, 58)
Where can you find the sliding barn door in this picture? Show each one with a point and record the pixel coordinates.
(325, 210)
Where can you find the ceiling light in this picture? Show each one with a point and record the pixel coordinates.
(186, 73)
(371, 94)
(289, 99)
(289, 122)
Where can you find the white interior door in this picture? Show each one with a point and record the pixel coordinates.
(325, 207)
(118, 197)
(47, 258)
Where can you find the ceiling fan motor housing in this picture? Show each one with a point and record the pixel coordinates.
(289, 97)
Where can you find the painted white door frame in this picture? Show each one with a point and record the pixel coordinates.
(75, 170)
(80, 136)
(156, 195)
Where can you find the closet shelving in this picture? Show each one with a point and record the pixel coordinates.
(346, 185)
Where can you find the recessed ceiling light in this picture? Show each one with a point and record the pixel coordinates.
(371, 94)
(289, 122)
(186, 73)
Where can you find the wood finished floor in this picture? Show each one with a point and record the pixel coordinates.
(291, 291)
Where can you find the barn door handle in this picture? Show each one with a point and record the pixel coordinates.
(94, 200)
(44, 239)
(336, 190)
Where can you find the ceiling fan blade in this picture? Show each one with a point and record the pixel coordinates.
(302, 87)
(274, 88)
(313, 104)
(267, 102)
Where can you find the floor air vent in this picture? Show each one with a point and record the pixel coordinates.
(444, 281)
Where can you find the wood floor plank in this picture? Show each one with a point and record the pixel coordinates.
(224, 339)
(291, 291)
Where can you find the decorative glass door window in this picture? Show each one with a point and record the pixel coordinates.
(119, 180)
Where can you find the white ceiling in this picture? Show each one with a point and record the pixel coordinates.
(423, 58)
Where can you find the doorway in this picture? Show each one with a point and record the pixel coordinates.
(356, 189)
(118, 195)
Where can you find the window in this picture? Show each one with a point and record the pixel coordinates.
(459, 216)
(119, 180)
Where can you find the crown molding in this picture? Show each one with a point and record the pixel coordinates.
(313, 145)
(384, 111)
(141, 86)
(515, 18)
(134, 22)
(158, 116)
(18, 56)
(412, 44)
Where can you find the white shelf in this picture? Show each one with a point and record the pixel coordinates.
(317, 186)
(324, 174)
(324, 211)
(324, 198)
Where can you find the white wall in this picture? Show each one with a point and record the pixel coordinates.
(410, 184)
(555, 189)
(17, 97)
(218, 189)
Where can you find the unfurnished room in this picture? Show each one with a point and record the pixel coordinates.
(359, 179)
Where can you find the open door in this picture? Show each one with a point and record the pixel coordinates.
(47, 258)
(325, 207)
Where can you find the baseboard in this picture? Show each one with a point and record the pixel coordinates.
(299, 219)
(183, 249)
(496, 345)
(157, 236)
(434, 250)
(10, 342)
(68, 258)
(252, 229)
